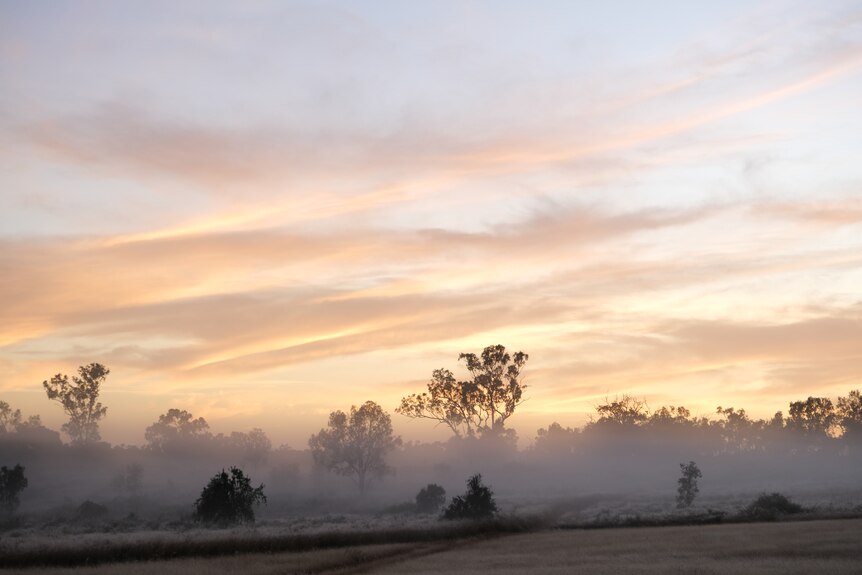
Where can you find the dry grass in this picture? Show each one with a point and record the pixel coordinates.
(827, 546)
(318, 561)
(90, 550)
(780, 548)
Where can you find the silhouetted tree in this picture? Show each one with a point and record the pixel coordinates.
(477, 503)
(557, 440)
(355, 445)
(9, 419)
(80, 401)
(229, 499)
(687, 488)
(672, 426)
(176, 429)
(12, 483)
(738, 432)
(624, 411)
(777, 421)
(447, 401)
(497, 376)
(669, 416)
(849, 412)
(815, 416)
(430, 498)
(255, 446)
(480, 405)
(14, 426)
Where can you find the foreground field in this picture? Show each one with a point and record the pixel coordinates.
(798, 547)
(344, 560)
(828, 546)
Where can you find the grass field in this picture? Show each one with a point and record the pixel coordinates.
(831, 546)
(827, 546)
(344, 560)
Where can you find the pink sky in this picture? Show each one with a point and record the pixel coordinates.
(262, 212)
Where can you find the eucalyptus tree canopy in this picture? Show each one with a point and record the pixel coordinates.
(80, 401)
(478, 405)
(355, 444)
(175, 430)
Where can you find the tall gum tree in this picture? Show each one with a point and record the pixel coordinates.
(355, 444)
(479, 405)
(80, 401)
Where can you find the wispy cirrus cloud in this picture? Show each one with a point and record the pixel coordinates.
(781, 360)
(123, 139)
(829, 212)
(656, 214)
(57, 282)
(273, 153)
(203, 292)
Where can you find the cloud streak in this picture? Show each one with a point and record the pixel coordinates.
(367, 197)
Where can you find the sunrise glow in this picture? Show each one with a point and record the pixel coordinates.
(260, 212)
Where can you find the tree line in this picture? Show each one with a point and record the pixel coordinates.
(355, 443)
(815, 424)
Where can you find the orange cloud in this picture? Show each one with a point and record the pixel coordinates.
(834, 212)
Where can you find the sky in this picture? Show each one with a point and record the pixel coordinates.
(261, 211)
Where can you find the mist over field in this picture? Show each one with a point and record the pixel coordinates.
(624, 461)
(356, 485)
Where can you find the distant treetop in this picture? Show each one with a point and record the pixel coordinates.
(80, 401)
(479, 405)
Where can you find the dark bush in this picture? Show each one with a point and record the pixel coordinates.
(228, 499)
(769, 507)
(687, 488)
(430, 498)
(477, 503)
(12, 483)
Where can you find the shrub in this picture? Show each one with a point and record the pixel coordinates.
(770, 507)
(477, 503)
(228, 499)
(687, 488)
(430, 498)
(12, 483)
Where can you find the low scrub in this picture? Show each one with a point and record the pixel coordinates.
(430, 498)
(606, 521)
(228, 499)
(478, 503)
(769, 507)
